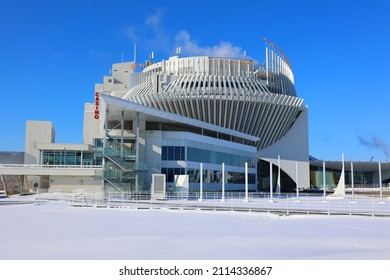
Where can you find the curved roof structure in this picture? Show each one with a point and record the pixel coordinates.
(227, 92)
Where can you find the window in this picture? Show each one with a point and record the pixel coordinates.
(173, 153)
(98, 142)
(207, 156)
(87, 155)
(65, 157)
(164, 155)
(177, 155)
(239, 178)
(171, 172)
(215, 177)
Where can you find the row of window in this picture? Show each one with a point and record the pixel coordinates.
(209, 176)
(222, 84)
(173, 153)
(205, 156)
(64, 157)
(171, 172)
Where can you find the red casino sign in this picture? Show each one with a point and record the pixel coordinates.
(97, 99)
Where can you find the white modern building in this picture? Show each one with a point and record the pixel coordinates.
(46, 165)
(213, 122)
(179, 113)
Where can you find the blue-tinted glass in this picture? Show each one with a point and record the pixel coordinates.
(177, 155)
(164, 171)
(170, 174)
(164, 155)
(171, 152)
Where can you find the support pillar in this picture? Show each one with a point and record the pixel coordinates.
(270, 183)
(324, 179)
(297, 179)
(201, 182)
(223, 182)
(380, 184)
(137, 151)
(352, 183)
(246, 182)
(278, 187)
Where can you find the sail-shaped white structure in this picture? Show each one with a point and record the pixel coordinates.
(340, 189)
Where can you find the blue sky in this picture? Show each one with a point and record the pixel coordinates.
(53, 53)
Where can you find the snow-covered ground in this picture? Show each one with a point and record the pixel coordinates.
(55, 230)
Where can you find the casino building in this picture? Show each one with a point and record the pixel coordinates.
(210, 121)
(178, 114)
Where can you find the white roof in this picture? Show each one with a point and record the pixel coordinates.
(154, 114)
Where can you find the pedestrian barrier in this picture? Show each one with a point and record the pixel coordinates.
(282, 204)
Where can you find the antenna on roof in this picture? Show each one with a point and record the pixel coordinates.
(244, 54)
(178, 51)
(150, 61)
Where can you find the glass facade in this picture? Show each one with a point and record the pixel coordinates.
(98, 142)
(171, 172)
(206, 156)
(332, 177)
(65, 157)
(359, 178)
(121, 169)
(215, 157)
(215, 176)
(263, 175)
(173, 153)
(211, 178)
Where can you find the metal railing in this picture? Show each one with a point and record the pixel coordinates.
(127, 153)
(128, 166)
(284, 204)
(367, 186)
(48, 166)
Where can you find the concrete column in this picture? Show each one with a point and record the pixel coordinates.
(270, 183)
(297, 178)
(324, 179)
(352, 183)
(137, 151)
(380, 182)
(223, 182)
(246, 182)
(201, 182)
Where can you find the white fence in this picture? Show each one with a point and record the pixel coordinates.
(280, 204)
